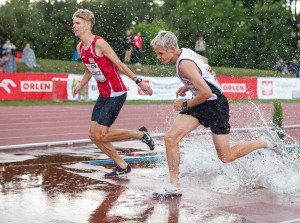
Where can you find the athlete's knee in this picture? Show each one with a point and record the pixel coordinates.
(101, 136)
(226, 158)
(170, 138)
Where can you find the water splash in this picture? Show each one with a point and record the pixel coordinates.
(261, 168)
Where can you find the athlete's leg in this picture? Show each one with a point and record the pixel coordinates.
(182, 125)
(126, 57)
(227, 154)
(102, 137)
(129, 56)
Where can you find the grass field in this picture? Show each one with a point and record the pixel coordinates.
(59, 66)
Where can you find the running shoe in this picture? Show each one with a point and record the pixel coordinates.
(170, 191)
(118, 171)
(147, 138)
(273, 141)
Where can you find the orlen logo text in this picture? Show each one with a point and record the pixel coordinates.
(36, 86)
(234, 87)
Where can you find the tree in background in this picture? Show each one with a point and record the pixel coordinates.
(47, 25)
(251, 34)
(246, 33)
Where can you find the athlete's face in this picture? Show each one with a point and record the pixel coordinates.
(80, 26)
(164, 56)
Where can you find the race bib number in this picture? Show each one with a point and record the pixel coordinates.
(96, 72)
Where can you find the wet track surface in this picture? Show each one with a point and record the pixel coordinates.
(59, 185)
(36, 124)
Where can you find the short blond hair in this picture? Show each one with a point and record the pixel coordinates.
(86, 15)
(165, 39)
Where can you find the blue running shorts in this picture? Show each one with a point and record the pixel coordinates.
(106, 110)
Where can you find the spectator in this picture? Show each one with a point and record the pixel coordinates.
(75, 56)
(294, 67)
(281, 67)
(127, 46)
(9, 62)
(137, 42)
(200, 46)
(28, 57)
(8, 46)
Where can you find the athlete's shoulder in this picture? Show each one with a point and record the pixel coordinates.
(98, 37)
(186, 63)
(100, 42)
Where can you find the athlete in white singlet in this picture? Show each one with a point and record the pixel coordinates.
(208, 107)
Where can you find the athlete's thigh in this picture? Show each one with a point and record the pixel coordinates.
(93, 126)
(182, 125)
(222, 142)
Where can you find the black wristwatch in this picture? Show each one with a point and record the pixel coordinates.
(184, 105)
(138, 80)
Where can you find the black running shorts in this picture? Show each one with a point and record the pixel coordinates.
(106, 110)
(213, 114)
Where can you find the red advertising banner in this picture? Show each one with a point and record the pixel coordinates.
(28, 86)
(39, 86)
(239, 87)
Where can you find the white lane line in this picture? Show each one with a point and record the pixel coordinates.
(290, 221)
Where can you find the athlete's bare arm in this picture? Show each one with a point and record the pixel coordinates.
(104, 49)
(181, 91)
(86, 77)
(189, 70)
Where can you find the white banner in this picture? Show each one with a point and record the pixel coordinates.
(278, 88)
(164, 88)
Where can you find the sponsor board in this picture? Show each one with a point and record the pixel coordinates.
(239, 87)
(27, 86)
(278, 88)
(39, 86)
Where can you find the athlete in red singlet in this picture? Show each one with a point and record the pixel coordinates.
(103, 70)
(101, 62)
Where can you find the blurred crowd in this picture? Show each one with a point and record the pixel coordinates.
(287, 69)
(9, 56)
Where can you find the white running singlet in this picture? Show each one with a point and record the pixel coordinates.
(207, 73)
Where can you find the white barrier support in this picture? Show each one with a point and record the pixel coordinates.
(155, 135)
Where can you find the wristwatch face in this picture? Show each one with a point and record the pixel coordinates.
(139, 80)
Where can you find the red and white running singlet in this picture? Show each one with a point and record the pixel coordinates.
(103, 70)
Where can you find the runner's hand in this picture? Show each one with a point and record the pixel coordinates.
(145, 88)
(181, 91)
(177, 105)
(76, 90)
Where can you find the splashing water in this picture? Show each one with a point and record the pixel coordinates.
(261, 168)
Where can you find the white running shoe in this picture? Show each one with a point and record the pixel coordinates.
(170, 191)
(272, 139)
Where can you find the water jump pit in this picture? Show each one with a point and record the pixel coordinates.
(67, 184)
